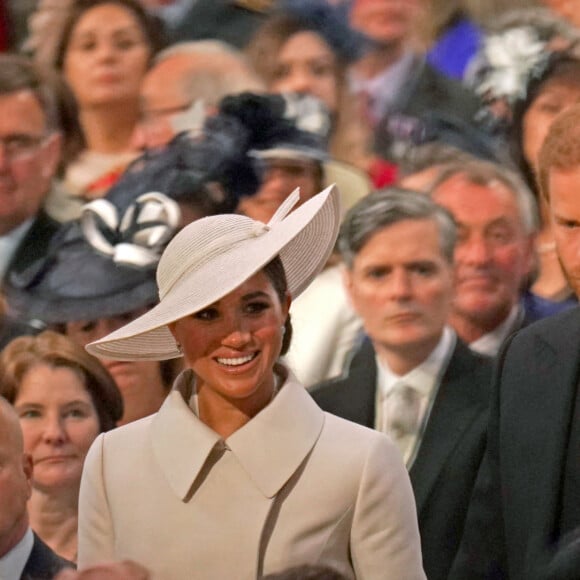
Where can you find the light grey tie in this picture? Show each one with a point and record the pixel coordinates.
(401, 409)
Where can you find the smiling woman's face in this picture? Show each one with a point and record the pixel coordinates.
(59, 422)
(232, 345)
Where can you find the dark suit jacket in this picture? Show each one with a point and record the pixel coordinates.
(511, 529)
(445, 468)
(432, 107)
(43, 563)
(34, 244)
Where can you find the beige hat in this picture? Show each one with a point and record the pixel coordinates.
(213, 256)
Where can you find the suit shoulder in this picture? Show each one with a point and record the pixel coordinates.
(43, 562)
(559, 328)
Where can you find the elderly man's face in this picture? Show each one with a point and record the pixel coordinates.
(28, 158)
(401, 285)
(163, 96)
(493, 253)
(15, 486)
(565, 219)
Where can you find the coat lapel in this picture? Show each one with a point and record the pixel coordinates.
(548, 391)
(270, 447)
(181, 443)
(454, 409)
(359, 394)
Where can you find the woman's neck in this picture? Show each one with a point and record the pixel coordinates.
(226, 416)
(109, 129)
(55, 520)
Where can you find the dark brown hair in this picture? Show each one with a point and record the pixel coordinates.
(277, 276)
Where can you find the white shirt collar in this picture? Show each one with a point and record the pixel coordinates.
(13, 563)
(10, 242)
(490, 343)
(424, 377)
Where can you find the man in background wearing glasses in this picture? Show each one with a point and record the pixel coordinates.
(30, 152)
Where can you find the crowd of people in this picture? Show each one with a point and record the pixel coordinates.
(289, 290)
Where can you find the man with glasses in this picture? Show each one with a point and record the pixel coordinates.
(30, 151)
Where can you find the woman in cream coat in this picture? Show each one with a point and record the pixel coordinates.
(240, 474)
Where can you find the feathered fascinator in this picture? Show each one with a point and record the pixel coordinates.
(299, 122)
(331, 22)
(514, 58)
(208, 169)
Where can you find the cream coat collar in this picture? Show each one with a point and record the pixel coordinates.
(270, 447)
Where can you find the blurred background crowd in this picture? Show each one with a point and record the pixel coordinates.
(121, 121)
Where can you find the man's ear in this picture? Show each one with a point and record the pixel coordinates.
(348, 283)
(530, 254)
(52, 152)
(27, 469)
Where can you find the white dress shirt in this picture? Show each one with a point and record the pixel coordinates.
(490, 343)
(12, 564)
(9, 243)
(424, 379)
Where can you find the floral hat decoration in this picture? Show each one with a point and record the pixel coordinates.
(513, 57)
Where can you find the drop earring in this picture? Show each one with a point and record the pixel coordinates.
(179, 347)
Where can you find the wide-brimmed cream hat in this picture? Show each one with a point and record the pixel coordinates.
(212, 256)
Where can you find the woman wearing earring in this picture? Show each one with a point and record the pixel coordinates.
(240, 474)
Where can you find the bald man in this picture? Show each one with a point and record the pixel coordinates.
(22, 554)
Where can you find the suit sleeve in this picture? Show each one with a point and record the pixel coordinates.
(385, 539)
(95, 532)
(482, 552)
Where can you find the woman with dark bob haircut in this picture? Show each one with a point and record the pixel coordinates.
(64, 398)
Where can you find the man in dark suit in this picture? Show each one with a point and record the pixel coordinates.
(22, 554)
(405, 99)
(30, 152)
(496, 217)
(398, 249)
(524, 517)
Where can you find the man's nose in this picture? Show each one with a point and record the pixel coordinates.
(475, 251)
(399, 285)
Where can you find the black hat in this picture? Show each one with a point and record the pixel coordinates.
(208, 169)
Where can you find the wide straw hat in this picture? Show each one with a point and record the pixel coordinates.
(212, 256)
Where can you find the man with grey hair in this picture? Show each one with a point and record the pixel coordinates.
(182, 75)
(22, 553)
(412, 378)
(496, 218)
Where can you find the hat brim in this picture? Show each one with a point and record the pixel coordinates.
(304, 241)
(353, 184)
